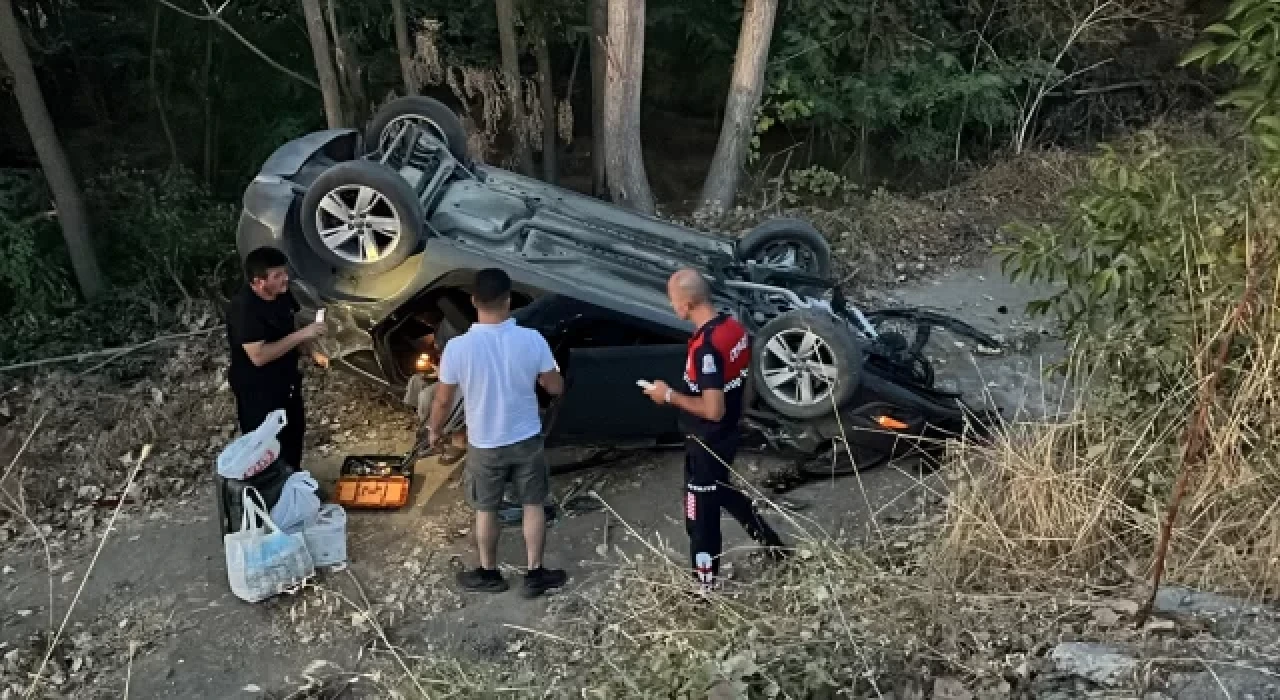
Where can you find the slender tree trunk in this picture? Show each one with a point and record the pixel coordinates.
(174, 161)
(323, 56)
(599, 10)
(511, 73)
(740, 109)
(207, 87)
(53, 159)
(628, 181)
(350, 73)
(547, 98)
(403, 46)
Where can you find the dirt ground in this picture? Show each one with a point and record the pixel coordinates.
(156, 616)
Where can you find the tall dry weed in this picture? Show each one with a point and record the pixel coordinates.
(1079, 498)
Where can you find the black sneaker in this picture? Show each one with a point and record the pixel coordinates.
(480, 580)
(541, 580)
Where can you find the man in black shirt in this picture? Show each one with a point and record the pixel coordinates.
(264, 373)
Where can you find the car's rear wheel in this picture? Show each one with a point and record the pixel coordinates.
(806, 363)
(361, 216)
(789, 244)
(424, 112)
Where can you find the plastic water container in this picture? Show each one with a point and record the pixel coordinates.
(326, 536)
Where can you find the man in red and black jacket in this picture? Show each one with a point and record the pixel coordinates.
(716, 374)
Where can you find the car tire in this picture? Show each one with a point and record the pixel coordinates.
(788, 236)
(392, 219)
(441, 120)
(781, 381)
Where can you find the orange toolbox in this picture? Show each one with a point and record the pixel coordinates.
(375, 481)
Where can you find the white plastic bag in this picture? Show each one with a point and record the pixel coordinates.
(298, 505)
(252, 452)
(327, 536)
(263, 560)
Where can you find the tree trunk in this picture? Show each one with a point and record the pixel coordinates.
(53, 159)
(349, 72)
(174, 160)
(323, 56)
(624, 158)
(207, 101)
(599, 10)
(404, 47)
(511, 74)
(740, 108)
(547, 97)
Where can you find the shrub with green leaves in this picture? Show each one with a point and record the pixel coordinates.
(1157, 247)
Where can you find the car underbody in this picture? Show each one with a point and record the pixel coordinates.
(384, 236)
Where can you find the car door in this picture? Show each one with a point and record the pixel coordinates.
(602, 405)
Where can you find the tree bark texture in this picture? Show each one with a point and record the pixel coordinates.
(511, 74)
(625, 171)
(547, 98)
(323, 56)
(53, 159)
(721, 185)
(599, 10)
(350, 73)
(403, 46)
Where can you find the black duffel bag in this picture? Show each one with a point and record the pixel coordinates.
(229, 493)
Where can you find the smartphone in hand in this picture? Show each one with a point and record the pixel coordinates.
(320, 316)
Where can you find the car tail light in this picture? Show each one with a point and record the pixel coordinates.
(890, 423)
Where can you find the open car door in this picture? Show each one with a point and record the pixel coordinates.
(602, 405)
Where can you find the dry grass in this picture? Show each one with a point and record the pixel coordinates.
(1050, 502)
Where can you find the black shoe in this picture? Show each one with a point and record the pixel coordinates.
(541, 580)
(479, 580)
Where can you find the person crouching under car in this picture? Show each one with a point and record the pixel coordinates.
(426, 367)
(715, 371)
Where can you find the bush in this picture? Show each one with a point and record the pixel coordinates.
(162, 232)
(163, 241)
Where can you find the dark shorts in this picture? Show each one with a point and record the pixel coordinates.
(489, 469)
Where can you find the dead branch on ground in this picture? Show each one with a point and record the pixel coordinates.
(111, 353)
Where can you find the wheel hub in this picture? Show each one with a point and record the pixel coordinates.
(799, 366)
(358, 224)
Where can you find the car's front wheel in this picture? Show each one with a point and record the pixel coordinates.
(805, 364)
(788, 244)
(362, 217)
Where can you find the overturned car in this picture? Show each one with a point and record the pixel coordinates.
(386, 228)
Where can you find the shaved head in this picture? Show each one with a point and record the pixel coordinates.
(688, 290)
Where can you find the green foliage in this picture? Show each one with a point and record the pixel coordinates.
(1155, 249)
(1250, 42)
(30, 276)
(162, 239)
(162, 231)
(1160, 238)
(909, 72)
(817, 181)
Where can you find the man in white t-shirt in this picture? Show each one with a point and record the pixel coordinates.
(496, 365)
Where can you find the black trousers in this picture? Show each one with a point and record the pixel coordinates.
(254, 403)
(707, 491)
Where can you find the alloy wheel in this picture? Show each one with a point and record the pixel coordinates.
(800, 367)
(358, 223)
